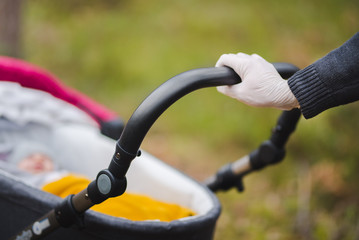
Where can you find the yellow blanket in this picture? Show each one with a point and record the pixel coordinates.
(131, 206)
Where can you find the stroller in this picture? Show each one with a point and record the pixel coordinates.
(69, 218)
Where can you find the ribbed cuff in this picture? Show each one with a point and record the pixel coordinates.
(312, 94)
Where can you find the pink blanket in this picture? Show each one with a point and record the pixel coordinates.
(30, 76)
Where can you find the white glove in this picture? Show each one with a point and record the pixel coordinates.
(261, 85)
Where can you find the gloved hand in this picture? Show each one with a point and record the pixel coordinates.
(261, 85)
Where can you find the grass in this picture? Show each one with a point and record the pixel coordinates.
(117, 52)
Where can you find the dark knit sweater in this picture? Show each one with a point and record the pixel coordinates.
(331, 81)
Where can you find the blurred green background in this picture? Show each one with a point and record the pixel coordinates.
(117, 52)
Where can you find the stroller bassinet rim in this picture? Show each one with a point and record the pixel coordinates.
(38, 201)
(148, 173)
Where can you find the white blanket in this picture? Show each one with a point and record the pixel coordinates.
(23, 105)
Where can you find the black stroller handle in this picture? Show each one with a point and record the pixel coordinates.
(172, 90)
(165, 95)
(127, 147)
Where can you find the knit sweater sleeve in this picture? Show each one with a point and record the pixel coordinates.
(331, 81)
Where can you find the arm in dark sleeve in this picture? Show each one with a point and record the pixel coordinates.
(331, 81)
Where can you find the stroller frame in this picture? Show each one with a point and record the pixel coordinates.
(112, 182)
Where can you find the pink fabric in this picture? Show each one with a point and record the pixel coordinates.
(30, 76)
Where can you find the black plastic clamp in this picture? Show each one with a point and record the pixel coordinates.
(66, 214)
(266, 154)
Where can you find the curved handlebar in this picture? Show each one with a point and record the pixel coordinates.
(165, 95)
(172, 90)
